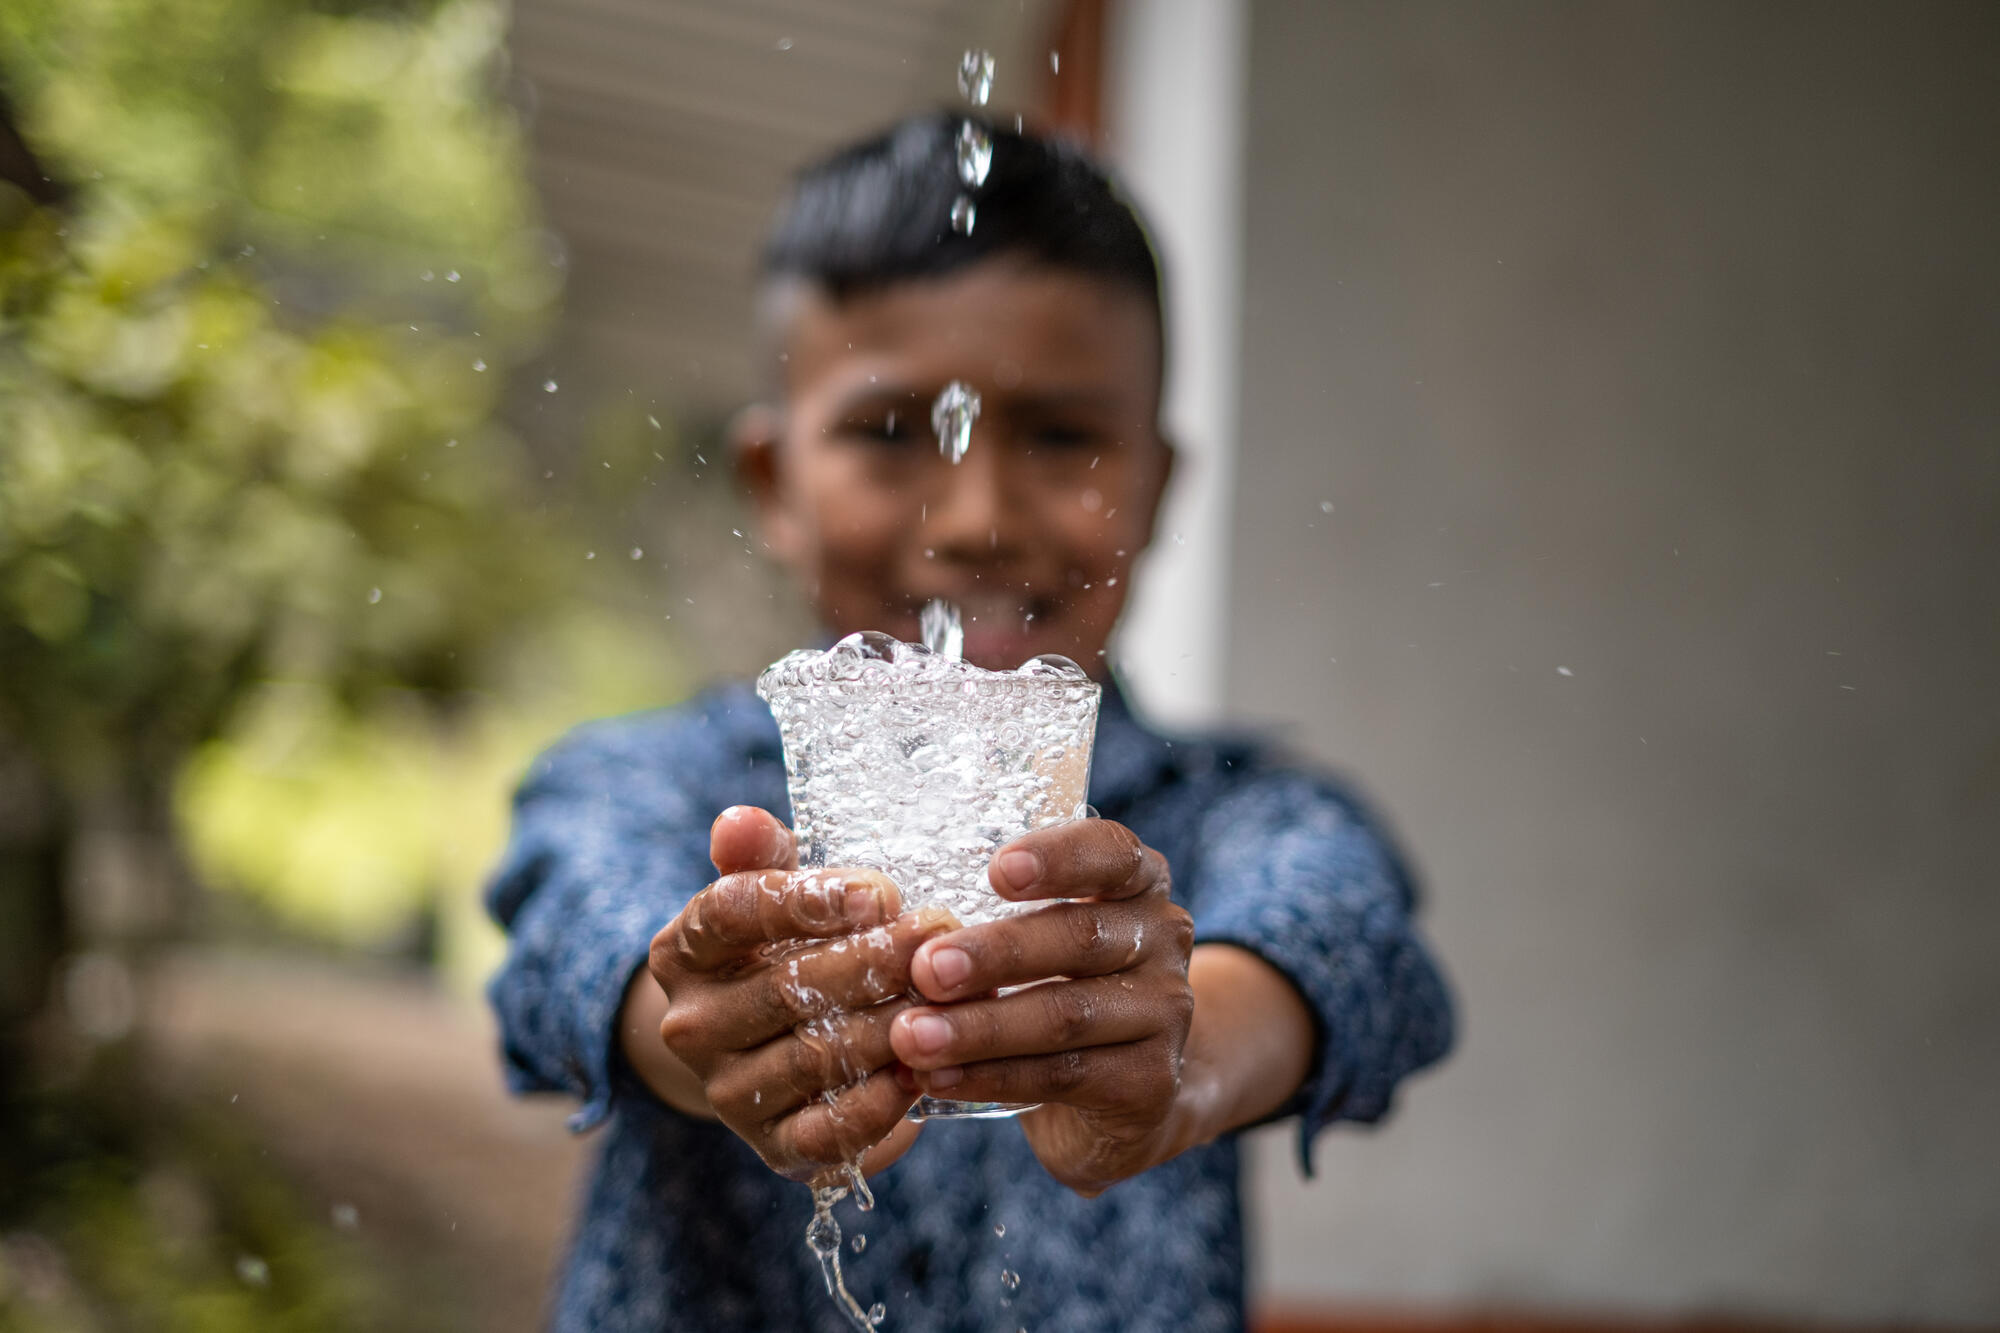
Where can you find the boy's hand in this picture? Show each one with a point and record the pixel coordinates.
(781, 987)
(1101, 1047)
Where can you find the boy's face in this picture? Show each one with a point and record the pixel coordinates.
(1034, 533)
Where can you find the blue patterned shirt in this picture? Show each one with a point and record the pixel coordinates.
(684, 1228)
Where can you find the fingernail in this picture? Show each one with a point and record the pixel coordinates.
(935, 921)
(950, 966)
(940, 1079)
(931, 1033)
(1020, 868)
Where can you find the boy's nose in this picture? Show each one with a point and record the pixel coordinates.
(973, 515)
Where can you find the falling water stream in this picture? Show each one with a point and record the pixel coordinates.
(952, 415)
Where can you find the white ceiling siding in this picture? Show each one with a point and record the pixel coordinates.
(664, 134)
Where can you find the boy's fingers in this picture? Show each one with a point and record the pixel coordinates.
(827, 1133)
(1100, 1076)
(744, 837)
(1037, 1020)
(829, 1052)
(856, 972)
(737, 914)
(1063, 939)
(1085, 858)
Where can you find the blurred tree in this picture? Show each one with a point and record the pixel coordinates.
(251, 339)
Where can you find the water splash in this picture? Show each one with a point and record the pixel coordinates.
(952, 415)
(823, 1239)
(975, 154)
(943, 632)
(964, 213)
(975, 76)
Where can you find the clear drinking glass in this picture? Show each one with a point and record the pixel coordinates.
(921, 766)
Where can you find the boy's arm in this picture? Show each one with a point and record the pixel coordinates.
(604, 851)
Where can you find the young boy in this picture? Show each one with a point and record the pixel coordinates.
(1233, 937)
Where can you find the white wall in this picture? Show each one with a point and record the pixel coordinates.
(1649, 357)
(1174, 88)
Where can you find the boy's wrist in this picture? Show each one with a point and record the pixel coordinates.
(647, 1056)
(1248, 1049)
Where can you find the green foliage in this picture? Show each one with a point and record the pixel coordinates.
(248, 372)
(167, 1223)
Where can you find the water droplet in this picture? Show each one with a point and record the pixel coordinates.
(451, 444)
(479, 363)
(548, 386)
(1010, 1279)
(638, 553)
(374, 596)
(942, 630)
(999, 1228)
(253, 1271)
(975, 76)
(1326, 506)
(1055, 62)
(428, 275)
(590, 555)
(859, 1243)
(451, 276)
(963, 214)
(652, 421)
(784, 43)
(975, 154)
(1092, 500)
(346, 1216)
(1564, 671)
(952, 415)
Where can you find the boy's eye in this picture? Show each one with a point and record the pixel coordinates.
(1062, 435)
(892, 427)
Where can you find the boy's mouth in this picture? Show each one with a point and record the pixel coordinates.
(1003, 631)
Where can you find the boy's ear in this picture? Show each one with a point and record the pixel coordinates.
(756, 450)
(1160, 475)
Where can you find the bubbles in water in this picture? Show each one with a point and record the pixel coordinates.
(858, 1244)
(1054, 666)
(975, 154)
(374, 596)
(952, 415)
(1010, 1279)
(999, 1228)
(479, 363)
(1326, 506)
(943, 632)
(963, 214)
(253, 1271)
(346, 1216)
(975, 76)
(548, 386)
(906, 761)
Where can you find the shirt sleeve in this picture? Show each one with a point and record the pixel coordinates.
(604, 852)
(1291, 869)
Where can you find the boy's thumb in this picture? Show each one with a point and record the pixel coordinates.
(744, 837)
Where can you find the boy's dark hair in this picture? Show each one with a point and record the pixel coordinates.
(879, 213)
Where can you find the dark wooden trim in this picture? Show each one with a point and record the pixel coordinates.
(1375, 1319)
(1072, 100)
